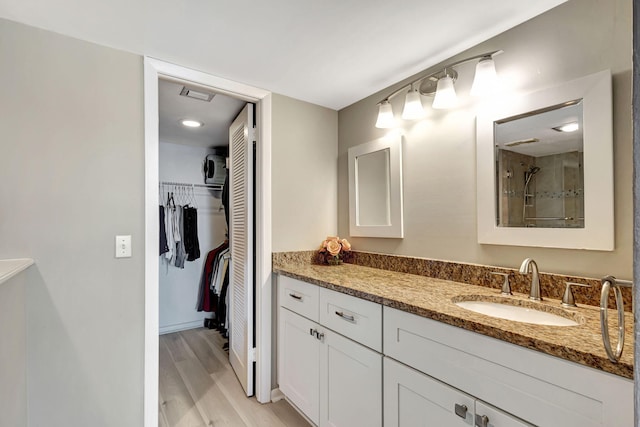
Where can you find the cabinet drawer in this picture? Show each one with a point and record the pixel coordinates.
(541, 389)
(352, 317)
(299, 297)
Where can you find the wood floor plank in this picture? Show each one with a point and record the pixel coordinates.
(177, 347)
(259, 414)
(198, 345)
(202, 367)
(177, 406)
(287, 414)
(210, 400)
(254, 413)
(162, 419)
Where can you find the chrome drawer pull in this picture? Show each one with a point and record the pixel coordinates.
(294, 296)
(482, 421)
(346, 316)
(461, 411)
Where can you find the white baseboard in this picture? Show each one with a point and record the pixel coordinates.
(181, 327)
(276, 395)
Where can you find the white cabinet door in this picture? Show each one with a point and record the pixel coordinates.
(299, 362)
(350, 383)
(412, 399)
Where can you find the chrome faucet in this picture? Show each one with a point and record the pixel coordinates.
(530, 264)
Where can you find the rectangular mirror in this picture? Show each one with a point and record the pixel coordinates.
(545, 168)
(375, 188)
(539, 159)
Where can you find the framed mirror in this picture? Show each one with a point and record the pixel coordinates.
(545, 168)
(375, 189)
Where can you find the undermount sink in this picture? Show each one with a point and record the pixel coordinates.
(517, 310)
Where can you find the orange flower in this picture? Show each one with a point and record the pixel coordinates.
(345, 245)
(334, 247)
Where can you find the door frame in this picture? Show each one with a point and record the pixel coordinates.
(155, 69)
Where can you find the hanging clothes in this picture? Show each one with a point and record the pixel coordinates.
(207, 300)
(190, 235)
(221, 312)
(181, 254)
(178, 232)
(168, 225)
(164, 248)
(225, 197)
(222, 261)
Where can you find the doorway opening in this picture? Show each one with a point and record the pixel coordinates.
(154, 71)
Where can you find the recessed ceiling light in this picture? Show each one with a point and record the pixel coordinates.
(191, 123)
(569, 127)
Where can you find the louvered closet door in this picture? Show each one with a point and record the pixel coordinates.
(241, 243)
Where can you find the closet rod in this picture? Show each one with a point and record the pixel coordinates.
(186, 184)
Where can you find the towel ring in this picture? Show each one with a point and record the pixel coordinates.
(607, 283)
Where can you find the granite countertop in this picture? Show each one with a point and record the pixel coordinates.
(11, 267)
(432, 298)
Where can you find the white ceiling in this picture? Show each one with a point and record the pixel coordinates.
(330, 52)
(540, 126)
(217, 115)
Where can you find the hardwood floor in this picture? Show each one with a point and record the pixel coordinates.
(198, 388)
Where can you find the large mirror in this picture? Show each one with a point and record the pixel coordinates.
(375, 188)
(545, 168)
(539, 165)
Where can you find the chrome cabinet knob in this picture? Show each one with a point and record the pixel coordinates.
(482, 421)
(461, 410)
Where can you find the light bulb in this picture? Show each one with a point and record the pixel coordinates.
(413, 109)
(485, 81)
(445, 94)
(191, 123)
(385, 115)
(569, 127)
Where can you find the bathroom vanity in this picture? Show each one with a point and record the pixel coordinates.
(360, 346)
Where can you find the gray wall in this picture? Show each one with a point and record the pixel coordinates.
(71, 120)
(304, 174)
(13, 350)
(575, 39)
(72, 162)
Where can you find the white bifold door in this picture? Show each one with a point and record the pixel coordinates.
(241, 280)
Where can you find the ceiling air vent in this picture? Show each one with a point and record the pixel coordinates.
(197, 94)
(522, 141)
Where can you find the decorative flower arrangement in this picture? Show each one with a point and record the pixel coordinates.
(334, 250)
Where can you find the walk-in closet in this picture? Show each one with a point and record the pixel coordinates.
(197, 383)
(193, 154)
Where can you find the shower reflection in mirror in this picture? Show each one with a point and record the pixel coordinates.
(539, 168)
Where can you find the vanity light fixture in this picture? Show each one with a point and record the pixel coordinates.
(191, 123)
(413, 108)
(440, 85)
(569, 127)
(445, 94)
(485, 81)
(385, 115)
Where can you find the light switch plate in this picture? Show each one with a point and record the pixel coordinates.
(123, 246)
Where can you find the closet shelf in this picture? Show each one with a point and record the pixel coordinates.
(188, 184)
